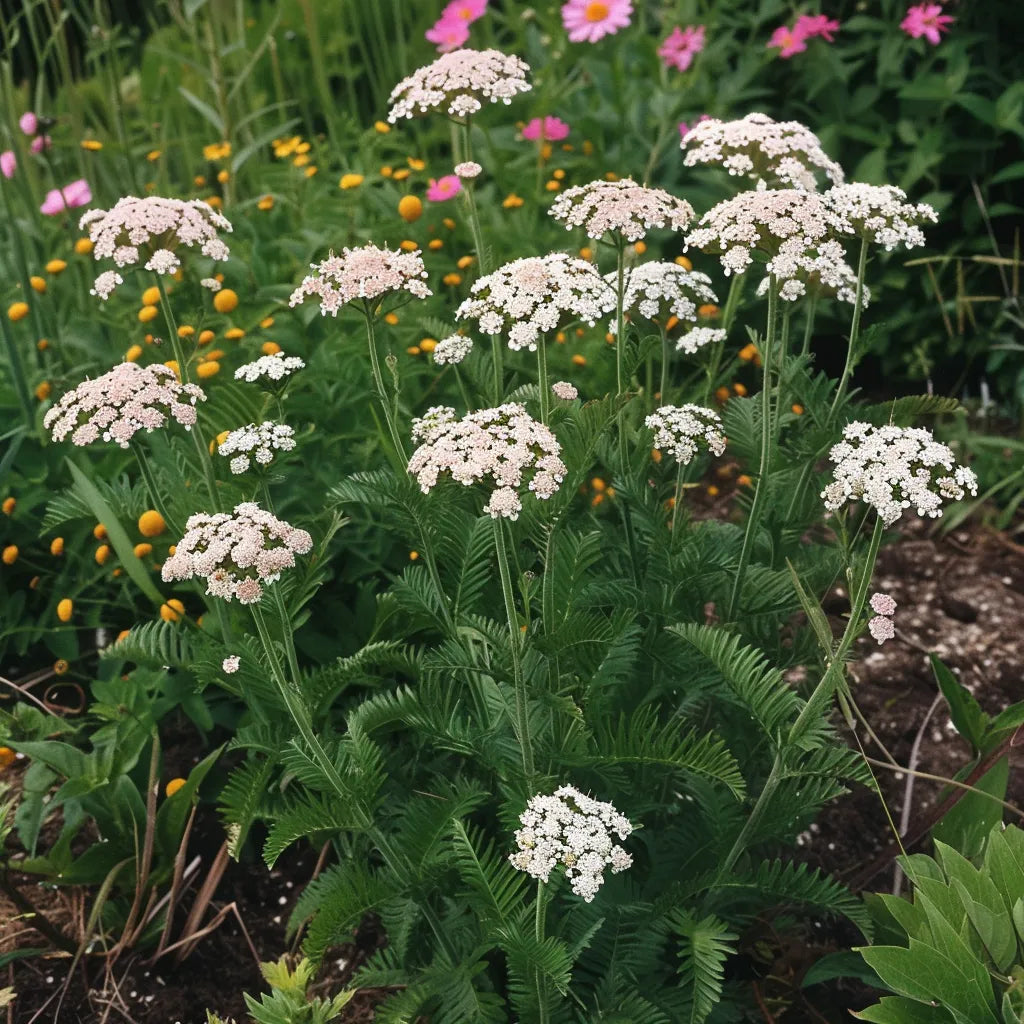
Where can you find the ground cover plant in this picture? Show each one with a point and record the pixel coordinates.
(468, 457)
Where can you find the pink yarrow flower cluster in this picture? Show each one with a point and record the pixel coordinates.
(151, 230)
(588, 21)
(545, 129)
(116, 406)
(620, 207)
(926, 20)
(237, 553)
(793, 40)
(451, 30)
(880, 625)
(367, 272)
(458, 84)
(681, 46)
(503, 447)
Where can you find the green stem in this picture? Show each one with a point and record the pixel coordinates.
(760, 488)
(833, 679)
(728, 315)
(542, 380)
(756, 814)
(851, 352)
(382, 396)
(663, 389)
(677, 504)
(620, 341)
(151, 485)
(812, 309)
(538, 931)
(522, 721)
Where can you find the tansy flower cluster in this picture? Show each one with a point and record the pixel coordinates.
(678, 428)
(879, 213)
(364, 273)
(256, 442)
(572, 829)
(459, 83)
(620, 207)
(504, 446)
(895, 468)
(236, 553)
(531, 296)
(775, 152)
(659, 290)
(117, 405)
(153, 228)
(453, 349)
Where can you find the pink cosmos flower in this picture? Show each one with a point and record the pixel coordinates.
(448, 34)
(547, 129)
(682, 45)
(29, 123)
(788, 40)
(8, 163)
(466, 10)
(684, 128)
(444, 188)
(587, 21)
(58, 200)
(926, 20)
(39, 143)
(810, 25)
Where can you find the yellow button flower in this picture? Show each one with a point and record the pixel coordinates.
(83, 246)
(512, 201)
(270, 348)
(234, 333)
(102, 554)
(99, 531)
(57, 546)
(205, 337)
(172, 610)
(8, 505)
(17, 311)
(148, 313)
(56, 266)
(38, 284)
(225, 301)
(10, 555)
(151, 523)
(381, 127)
(94, 145)
(208, 368)
(142, 549)
(173, 786)
(43, 390)
(350, 181)
(410, 208)
(266, 203)
(65, 609)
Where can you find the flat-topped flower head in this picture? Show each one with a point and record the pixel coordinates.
(879, 213)
(116, 406)
(779, 153)
(895, 468)
(659, 290)
(883, 604)
(679, 428)
(368, 272)
(256, 442)
(503, 448)
(576, 831)
(533, 296)
(459, 83)
(564, 390)
(697, 337)
(273, 368)
(621, 208)
(237, 553)
(150, 232)
(822, 273)
(792, 227)
(452, 350)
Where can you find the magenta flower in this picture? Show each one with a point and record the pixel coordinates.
(448, 34)
(39, 143)
(810, 25)
(547, 129)
(684, 128)
(29, 123)
(8, 163)
(788, 41)
(682, 45)
(58, 200)
(926, 20)
(587, 21)
(466, 10)
(443, 188)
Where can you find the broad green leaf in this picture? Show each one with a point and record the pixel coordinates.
(964, 710)
(897, 1010)
(968, 823)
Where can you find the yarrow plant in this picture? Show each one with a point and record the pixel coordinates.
(459, 83)
(879, 213)
(695, 339)
(776, 152)
(452, 350)
(564, 390)
(621, 208)
(237, 553)
(571, 829)
(658, 290)
(679, 428)
(117, 405)
(153, 229)
(880, 626)
(895, 468)
(504, 446)
(256, 443)
(273, 368)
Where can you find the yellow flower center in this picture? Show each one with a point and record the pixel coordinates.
(596, 12)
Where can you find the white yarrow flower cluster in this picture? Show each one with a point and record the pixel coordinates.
(879, 213)
(236, 553)
(895, 468)
(576, 831)
(678, 428)
(504, 447)
(231, 664)
(696, 338)
(452, 350)
(256, 442)
(775, 152)
(273, 368)
(620, 207)
(468, 169)
(659, 290)
(459, 83)
(533, 296)
(565, 391)
(367, 272)
(117, 405)
(147, 231)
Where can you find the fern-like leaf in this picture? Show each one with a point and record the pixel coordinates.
(704, 947)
